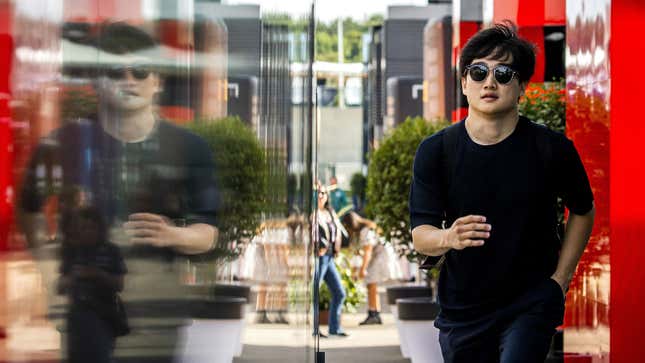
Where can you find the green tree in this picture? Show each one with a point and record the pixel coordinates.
(388, 180)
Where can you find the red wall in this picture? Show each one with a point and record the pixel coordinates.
(588, 125)
(6, 180)
(627, 210)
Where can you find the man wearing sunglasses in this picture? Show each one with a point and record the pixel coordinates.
(152, 181)
(484, 198)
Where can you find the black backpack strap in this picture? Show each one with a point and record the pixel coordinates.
(449, 140)
(543, 144)
(544, 148)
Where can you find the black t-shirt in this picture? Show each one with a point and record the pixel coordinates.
(170, 173)
(516, 189)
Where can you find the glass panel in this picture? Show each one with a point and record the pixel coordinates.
(162, 159)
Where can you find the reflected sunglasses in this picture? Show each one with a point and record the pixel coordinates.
(118, 72)
(503, 74)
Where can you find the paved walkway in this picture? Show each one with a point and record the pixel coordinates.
(289, 343)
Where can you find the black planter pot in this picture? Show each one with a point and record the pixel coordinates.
(242, 291)
(407, 291)
(219, 307)
(417, 308)
(211, 291)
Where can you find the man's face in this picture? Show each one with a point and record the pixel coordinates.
(129, 86)
(490, 96)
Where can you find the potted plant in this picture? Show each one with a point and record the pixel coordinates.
(241, 179)
(388, 187)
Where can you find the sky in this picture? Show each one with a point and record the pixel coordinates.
(327, 10)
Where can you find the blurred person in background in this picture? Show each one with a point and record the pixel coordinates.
(374, 267)
(337, 196)
(151, 181)
(329, 241)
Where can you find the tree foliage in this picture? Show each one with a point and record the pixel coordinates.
(389, 176)
(240, 176)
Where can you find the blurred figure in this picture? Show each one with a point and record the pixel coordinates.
(337, 197)
(152, 182)
(92, 271)
(272, 272)
(329, 241)
(374, 267)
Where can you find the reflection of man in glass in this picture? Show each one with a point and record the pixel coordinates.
(151, 180)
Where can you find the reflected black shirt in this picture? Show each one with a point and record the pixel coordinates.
(170, 173)
(516, 189)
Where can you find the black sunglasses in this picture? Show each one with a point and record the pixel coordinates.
(503, 74)
(118, 72)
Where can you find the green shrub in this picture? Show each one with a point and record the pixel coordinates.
(388, 180)
(544, 103)
(241, 178)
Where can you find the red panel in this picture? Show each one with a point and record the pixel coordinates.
(626, 190)
(554, 12)
(505, 10)
(462, 31)
(530, 12)
(100, 10)
(588, 125)
(6, 181)
(521, 12)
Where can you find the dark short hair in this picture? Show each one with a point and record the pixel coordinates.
(123, 38)
(498, 42)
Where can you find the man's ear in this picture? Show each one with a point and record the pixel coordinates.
(463, 85)
(522, 89)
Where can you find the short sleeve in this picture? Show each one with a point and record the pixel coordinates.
(426, 201)
(574, 187)
(367, 237)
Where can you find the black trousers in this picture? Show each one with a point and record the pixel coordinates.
(518, 332)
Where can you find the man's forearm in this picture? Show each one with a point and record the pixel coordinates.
(428, 240)
(197, 238)
(576, 236)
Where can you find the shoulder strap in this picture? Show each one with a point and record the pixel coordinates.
(448, 158)
(544, 147)
(543, 144)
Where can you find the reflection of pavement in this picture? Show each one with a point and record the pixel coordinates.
(285, 343)
(30, 337)
(24, 306)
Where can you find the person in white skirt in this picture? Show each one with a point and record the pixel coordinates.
(375, 265)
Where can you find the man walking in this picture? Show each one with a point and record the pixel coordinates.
(493, 180)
